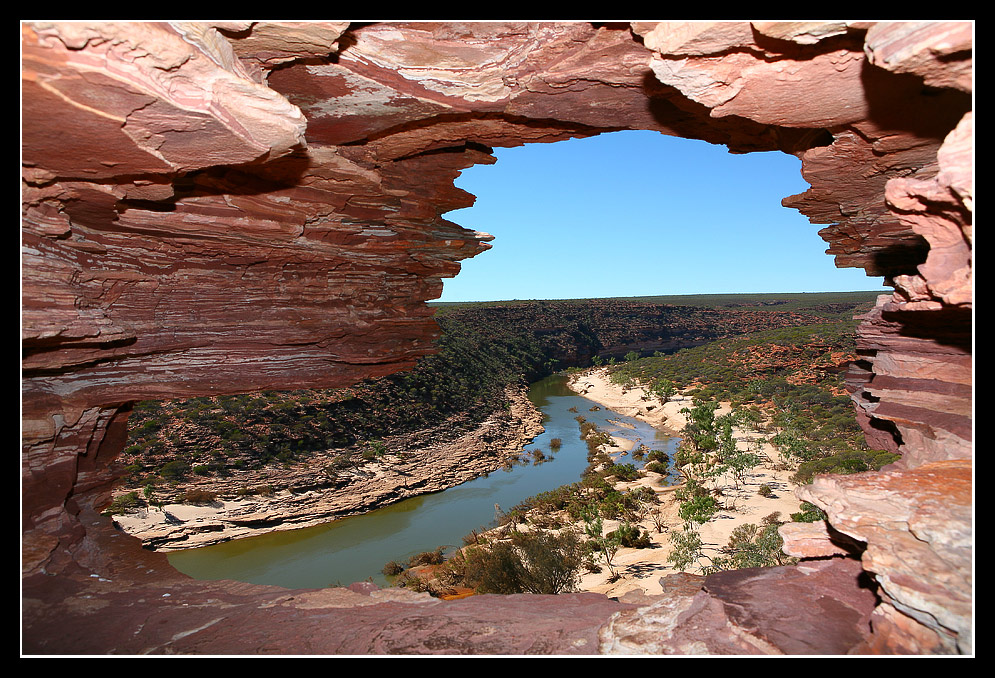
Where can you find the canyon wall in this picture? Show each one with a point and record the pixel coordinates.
(235, 206)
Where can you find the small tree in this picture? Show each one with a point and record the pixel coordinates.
(659, 520)
(752, 546)
(742, 463)
(664, 390)
(698, 509)
(701, 428)
(530, 562)
(686, 549)
(606, 546)
(149, 493)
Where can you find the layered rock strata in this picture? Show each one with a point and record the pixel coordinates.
(429, 460)
(221, 208)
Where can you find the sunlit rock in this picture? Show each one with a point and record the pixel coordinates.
(213, 208)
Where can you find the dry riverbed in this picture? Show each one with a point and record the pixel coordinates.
(408, 471)
(641, 569)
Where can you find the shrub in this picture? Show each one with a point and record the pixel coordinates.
(174, 470)
(810, 513)
(123, 504)
(658, 455)
(850, 461)
(631, 536)
(197, 496)
(625, 471)
(427, 558)
(765, 490)
(339, 463)
(532, 562)
(392, 569)
(548, 501)
(657, 467)
(264, 490)
(752, 546)
(494, 569)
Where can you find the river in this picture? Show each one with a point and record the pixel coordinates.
(355, 549)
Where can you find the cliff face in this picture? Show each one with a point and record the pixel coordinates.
(222, 208)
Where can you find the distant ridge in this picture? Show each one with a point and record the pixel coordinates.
(791, 300)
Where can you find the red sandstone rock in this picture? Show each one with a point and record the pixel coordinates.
(929, 49)
(809, 540)
(197, 221)
(917, 527)
(758, 611)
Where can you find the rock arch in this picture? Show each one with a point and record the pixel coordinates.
(220, 208)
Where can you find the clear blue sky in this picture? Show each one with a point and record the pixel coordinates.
(640, 213)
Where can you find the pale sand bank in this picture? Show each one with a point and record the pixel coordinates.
(641, 569)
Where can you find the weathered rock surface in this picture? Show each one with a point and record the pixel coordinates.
(916, 526)
(223, 208)
(819, 608)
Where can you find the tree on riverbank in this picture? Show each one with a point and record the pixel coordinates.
(533, 561)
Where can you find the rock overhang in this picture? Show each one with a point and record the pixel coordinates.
(218, 208)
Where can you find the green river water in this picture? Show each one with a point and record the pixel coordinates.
(355, 549)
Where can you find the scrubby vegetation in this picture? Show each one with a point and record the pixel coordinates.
(785, 384)
(546, 541)
(227, 434)
(787, 381)
(483, 348)
(784, 381)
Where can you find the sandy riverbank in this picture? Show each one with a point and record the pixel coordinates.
(641, 569)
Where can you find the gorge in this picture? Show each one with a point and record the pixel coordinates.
(229, 207)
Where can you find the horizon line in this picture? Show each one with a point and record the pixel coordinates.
(649, 296)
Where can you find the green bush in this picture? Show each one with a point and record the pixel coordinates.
(657, 455)
(532, 562)
(851, 461)
(175, 470)
(810, 513)
(752, 546)
(631, 536)
(197, 496)
(658, 467)
(625, 472)
(123, 504)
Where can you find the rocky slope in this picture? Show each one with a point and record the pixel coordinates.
(286, 497)
(225, 207)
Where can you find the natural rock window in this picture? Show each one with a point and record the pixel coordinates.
(228, 207)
